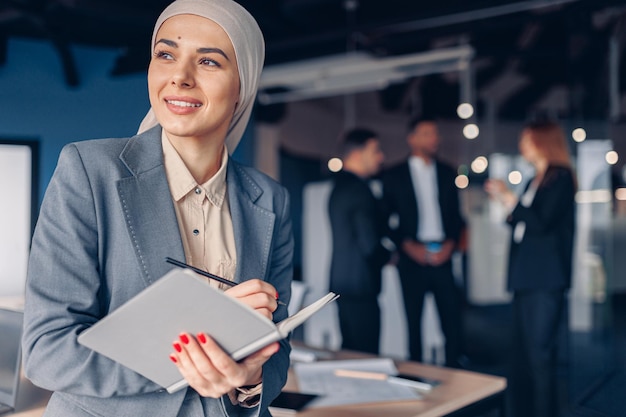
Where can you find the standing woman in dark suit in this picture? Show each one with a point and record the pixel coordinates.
(542, 221)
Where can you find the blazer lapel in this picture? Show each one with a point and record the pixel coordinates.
(147, 206)
(253, 225)
(410, 201)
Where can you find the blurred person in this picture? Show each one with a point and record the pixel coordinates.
(357, 228)
(116, 208)
(539, 271)
(422, 201)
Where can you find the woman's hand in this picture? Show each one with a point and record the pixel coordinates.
(258, 294)
(498, 190)
(211, 371)
(204, 364)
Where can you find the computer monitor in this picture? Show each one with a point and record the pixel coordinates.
(16, 392)
(10, 358)
(19, 180)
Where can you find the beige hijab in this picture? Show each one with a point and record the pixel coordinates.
(247, 39)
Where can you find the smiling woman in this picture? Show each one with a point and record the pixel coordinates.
(116, 208)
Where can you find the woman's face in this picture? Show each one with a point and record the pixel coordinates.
(193, 80)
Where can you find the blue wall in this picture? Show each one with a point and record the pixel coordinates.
(35, 102)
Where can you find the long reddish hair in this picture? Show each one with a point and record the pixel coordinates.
(549, 139)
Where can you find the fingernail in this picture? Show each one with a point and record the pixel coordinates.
(202, 338)
(184, 339)
(173, 359)
(178, 347)
(276, 295)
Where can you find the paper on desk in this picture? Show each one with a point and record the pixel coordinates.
(320, 378)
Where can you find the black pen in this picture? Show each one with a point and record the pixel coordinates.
(207, 274)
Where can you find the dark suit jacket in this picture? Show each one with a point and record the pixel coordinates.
(543, 259)
(400, 200)
(357, 227)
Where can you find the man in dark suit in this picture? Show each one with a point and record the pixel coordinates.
(422, 201)
(358, 256)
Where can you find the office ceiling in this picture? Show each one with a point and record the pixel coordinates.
(530, 56)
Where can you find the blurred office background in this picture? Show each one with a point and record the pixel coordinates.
(74, 70)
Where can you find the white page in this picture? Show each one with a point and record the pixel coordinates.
(320, 378)
(288, 324)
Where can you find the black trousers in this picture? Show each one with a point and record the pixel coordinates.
(416, 281)
(537, 317)
(359, 322)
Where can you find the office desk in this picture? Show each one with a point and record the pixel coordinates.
(35, 412)
(461, 393)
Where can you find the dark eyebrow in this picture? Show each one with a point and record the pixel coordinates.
(212, 51)
(167, 42)
(199, 50)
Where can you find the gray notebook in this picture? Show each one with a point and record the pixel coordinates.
(182, 301)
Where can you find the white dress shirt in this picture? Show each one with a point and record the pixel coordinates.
(425, 187)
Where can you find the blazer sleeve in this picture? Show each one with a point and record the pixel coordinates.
(65, 292)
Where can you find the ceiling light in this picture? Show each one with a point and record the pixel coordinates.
(335, 164)
(479, 165)
(515, 177)
(471, 131)
(611, 157)
(354, 72)
(579, 134)
(465, 110)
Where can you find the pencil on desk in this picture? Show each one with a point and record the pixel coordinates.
(207, 274)
(348, 373)
(379, 376)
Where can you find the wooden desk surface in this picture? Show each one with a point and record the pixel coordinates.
(458, 389)
(35, 412)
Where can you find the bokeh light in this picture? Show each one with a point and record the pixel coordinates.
(515, 177)
(471, 131)
(479, 164)
(461, 181)
(465, 110)
(611, 157)
(579, 134)
(335, 164)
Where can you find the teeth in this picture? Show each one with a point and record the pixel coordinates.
(183, 103)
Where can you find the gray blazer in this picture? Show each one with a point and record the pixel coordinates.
(106, 225)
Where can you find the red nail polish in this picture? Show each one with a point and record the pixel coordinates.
(184, 339)
(276, 295)
(178, 347)
(202, 338)
(173, 359)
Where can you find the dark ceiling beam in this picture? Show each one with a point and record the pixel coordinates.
(366, 35)
(119, 13)
(68, 63)
(62, 46)
(8, 14)
(470, 16)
